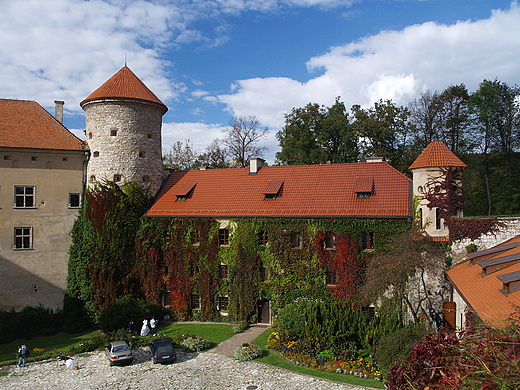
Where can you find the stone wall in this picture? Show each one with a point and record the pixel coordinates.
(124, 139)
(488, 240)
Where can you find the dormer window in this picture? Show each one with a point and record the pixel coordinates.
(185, 192)
(273, 189)
(364, 187)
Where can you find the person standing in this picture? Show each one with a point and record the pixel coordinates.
(153, 325)
(23, 352)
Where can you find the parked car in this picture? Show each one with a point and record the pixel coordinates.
(119, 353)
(162, 351)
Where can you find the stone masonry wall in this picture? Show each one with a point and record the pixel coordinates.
(124, 139)
(488, 240)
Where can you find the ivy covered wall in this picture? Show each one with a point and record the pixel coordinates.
(278, 259)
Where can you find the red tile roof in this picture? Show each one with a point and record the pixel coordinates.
(124, 84)
(26, 124)
(483, 293)
(437, 154)
(307, 191)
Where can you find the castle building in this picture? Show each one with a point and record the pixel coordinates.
(41, 182)
(123, 132)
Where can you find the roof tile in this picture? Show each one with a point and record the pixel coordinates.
(124, 84)
(26, 124)
(308, 191)
(437, 154)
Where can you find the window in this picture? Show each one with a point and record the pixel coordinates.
(195, 238)
(92, 178)
(264, 274)
(223, 303)
(363, 195)
(74, 200)
(222, 271)
(146, 179)
(369, 311)
(331, 278)
(96, 154)
(420, 219)
(330, 240)
(195, 302)
(264, 238)
(24, 196)
(6, 157)
(64, 159)
(149, 135)
(368, 240)
(142, 153)
(296, 239)
(34, 158)
(223, 237)
(437, 219)
(23, 238)
(117, 178)
(89, 135)
(113, 132)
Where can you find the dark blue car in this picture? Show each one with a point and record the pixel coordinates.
(162, 351)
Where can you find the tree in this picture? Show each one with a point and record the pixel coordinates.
(403, 272)
(214, 156)
(426, 115)
(456, 119)
(385, 132)
(242, 137)
(317, 134)
(180, 157)
(496, 112)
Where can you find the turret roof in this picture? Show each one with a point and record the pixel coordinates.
(437, 154)
(124, 84)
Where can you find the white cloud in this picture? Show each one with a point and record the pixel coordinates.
(395, 65)
(199, 134)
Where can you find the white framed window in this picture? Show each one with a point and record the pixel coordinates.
(195, 302)
(223, 303)
(23, 238)
(24, 196)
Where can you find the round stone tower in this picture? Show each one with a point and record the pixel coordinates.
(123, 132)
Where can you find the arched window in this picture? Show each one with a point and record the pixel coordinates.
(92, 178)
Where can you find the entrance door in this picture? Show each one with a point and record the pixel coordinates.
(449, 314)
(264, 311)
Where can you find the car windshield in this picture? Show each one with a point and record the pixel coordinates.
(120, 348)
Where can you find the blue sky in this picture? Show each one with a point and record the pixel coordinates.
(208, 60)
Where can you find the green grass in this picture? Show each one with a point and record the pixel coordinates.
(53, 345)
(57, 345)
(214, 333)
(275, 360)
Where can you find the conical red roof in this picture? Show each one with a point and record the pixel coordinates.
(124, 84)
(437, 154)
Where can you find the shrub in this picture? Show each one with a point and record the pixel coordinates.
(247, 352)
(397, 345)
(471, 359)
(118, 314)
(240, 327)
(194, 344)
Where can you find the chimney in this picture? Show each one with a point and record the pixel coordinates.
(59, 110)
(255, 164)
(375, 159)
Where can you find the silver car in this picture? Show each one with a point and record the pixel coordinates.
(119, 353)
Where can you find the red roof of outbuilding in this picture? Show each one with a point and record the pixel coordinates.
(437, 154)
(307, 191)
(484, 292)
(26, 124)
(124, 84)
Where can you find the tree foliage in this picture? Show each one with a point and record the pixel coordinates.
(241, 139)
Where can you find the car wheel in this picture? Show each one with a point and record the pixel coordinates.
(111, 364)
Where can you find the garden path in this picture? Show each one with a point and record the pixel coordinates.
(227, 347)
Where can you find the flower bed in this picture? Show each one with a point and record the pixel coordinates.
(360, 367)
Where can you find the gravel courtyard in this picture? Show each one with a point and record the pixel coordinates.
(205, 370)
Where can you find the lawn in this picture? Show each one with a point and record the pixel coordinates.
(57, 345)
(273, 359)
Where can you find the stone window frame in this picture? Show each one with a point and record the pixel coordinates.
(24, 197)
(23, 238)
